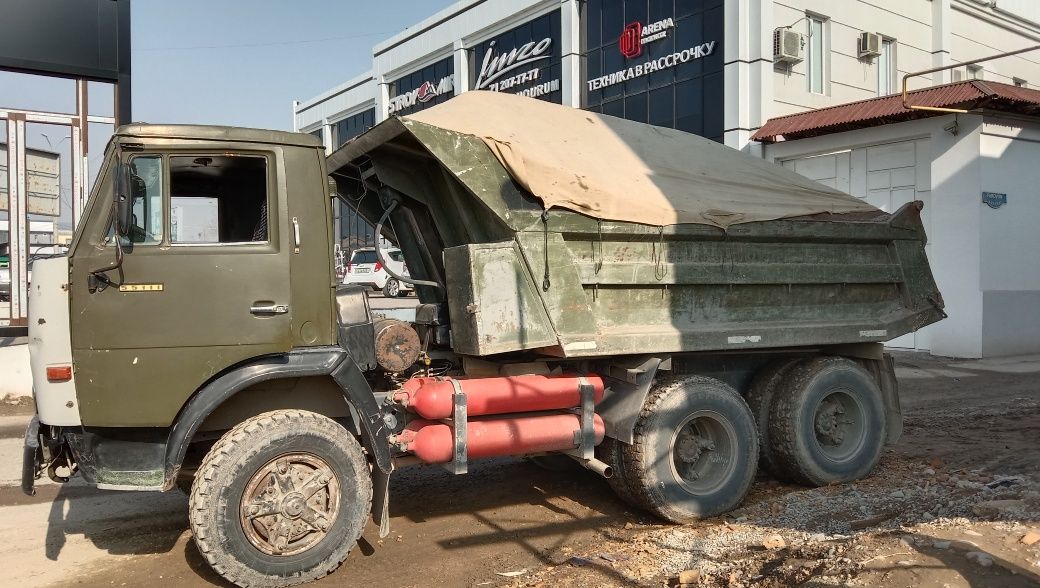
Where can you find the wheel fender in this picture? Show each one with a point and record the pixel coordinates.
(626, 392)
(319, 361)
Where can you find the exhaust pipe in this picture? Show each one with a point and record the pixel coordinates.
(594, 465)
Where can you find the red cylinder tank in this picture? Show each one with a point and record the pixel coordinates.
(431, 398)
(493, 437)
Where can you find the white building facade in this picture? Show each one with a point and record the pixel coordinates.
(712, 67)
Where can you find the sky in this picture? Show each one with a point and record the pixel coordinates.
(243, 62)
(221, 62)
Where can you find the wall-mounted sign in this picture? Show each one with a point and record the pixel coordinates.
(635, 35)
(42, 179)
(994, 199)
(424, 93)
(650, 66)
(422, 88)
(522, 60)
(495, 64)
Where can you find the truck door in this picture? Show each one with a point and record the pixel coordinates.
(204, 283)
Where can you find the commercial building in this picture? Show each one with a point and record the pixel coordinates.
(724, 68)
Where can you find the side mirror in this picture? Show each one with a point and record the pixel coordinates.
(123, 200)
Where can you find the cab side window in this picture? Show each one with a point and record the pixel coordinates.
(218, 199)
(146, 190)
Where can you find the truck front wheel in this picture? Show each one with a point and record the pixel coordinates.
(694, 451)
(280, 499)
(827, 422)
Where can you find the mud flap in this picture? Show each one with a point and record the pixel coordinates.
(32, 457)
(890, 394)
(381, 501)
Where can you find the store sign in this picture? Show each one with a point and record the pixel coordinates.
(424, 93)
(636, 35)
(497, 65)
(496, 70)
(642, 69)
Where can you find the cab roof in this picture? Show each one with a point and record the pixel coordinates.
(218, 133)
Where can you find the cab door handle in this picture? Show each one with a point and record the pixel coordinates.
(269, 308)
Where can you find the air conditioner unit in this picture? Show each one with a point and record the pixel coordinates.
(869, 45)
(788, 46)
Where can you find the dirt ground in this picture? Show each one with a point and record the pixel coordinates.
(949, 505)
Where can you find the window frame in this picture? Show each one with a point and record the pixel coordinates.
(810, 61)
(272, 203)
(107, 238)
(889, 57)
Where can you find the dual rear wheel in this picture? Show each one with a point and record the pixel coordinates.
(697, 443)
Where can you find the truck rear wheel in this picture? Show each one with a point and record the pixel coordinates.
(827, 422)
(759, 398)
(694, 451)
(609, 451)
(280, 499)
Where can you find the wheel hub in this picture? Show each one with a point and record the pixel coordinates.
(831, 426)
(289, 504)
(702, 452)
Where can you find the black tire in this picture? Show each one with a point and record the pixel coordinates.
(759, 398)
(236, 465)
(609, 452)
(827, 423)
(699, 425)
(392, 288)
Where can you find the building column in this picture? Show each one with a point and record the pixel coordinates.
(460, 54)
(941, 41)
(570, 39)
(382, 98)
(747, 72)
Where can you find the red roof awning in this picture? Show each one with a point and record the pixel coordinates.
(970, 95)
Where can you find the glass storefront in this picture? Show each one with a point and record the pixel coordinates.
(656, 61)
(354, 231)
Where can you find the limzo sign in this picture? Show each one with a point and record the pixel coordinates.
(498, 71)
(424, 93)
(650, 66)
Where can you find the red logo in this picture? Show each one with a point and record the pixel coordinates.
(631, 41)
(426, 92)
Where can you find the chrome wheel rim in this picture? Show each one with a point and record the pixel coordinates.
(839, 425)
(290, 504)
(703, 455)
(393, 288)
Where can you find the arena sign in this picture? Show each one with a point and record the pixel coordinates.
(424, 93)
(636, 34)
(646, 68)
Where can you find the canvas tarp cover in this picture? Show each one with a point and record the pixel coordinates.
(616, 169)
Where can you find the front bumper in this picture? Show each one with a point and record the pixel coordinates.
(44, 452)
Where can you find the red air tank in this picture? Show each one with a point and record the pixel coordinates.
(494, 437)
(431, 398)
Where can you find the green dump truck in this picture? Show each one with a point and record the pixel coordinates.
(662, 310)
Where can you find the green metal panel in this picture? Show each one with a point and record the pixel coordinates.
(493, 304)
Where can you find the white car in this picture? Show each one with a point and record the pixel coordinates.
(364, 268)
